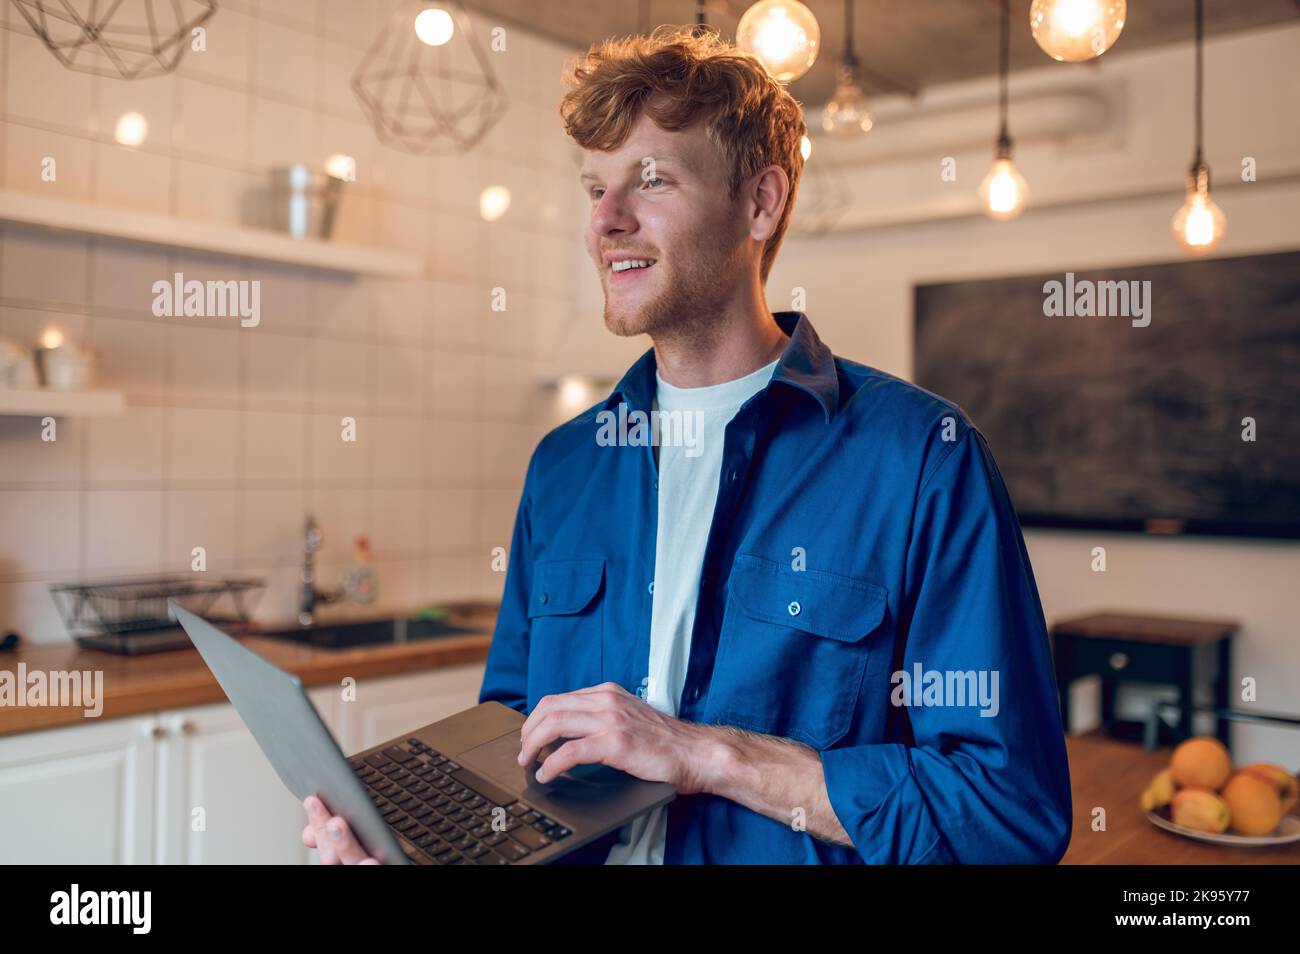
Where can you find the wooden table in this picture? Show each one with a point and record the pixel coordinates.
(1112, 774)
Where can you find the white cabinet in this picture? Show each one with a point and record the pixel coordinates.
(218, 799)
(190, 786)
(78, 795)
(386, 708)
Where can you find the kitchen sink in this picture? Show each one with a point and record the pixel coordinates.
(345, 635)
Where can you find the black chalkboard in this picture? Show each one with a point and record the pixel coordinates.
(1102, 422)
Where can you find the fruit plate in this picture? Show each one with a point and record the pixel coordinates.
(1287, 832)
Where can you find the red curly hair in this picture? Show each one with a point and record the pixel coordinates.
(679, 77)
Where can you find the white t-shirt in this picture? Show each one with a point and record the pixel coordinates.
(689, 471)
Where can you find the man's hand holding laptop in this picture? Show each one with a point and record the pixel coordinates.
(604, 724)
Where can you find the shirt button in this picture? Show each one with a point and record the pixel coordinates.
(651, 587)
(543, 598)
(794, 608)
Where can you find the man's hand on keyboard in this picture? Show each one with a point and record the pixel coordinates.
(331, 836)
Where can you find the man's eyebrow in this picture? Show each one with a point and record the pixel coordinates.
(587, 175)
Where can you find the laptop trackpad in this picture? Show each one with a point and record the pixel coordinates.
(497, 761)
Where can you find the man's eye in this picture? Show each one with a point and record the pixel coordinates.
(597, 192)
(654, 179)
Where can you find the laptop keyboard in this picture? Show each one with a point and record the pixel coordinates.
(448, 819)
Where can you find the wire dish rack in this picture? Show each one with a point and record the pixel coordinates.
(131, 616)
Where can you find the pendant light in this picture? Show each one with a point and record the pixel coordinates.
(1004, 191)
(783, 34)
(847, 115)
(426, 84)
(1075, 30)
(119, 40)
(1200, 224)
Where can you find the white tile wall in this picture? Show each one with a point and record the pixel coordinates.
(232, 434)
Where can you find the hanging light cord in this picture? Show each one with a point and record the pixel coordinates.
(699, 14)
(1200, 70)
(1004, 57)
(849, 58)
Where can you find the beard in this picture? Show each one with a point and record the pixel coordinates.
(687, 301)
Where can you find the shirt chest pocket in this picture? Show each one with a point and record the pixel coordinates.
(793, 650)
(565, 613)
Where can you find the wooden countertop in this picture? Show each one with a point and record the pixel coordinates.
(177, 678)
(1112, 774)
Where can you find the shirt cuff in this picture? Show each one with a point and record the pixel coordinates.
(875, 797)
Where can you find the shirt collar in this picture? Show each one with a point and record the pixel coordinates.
(806, 365)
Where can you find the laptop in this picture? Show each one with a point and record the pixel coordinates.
(448, 793)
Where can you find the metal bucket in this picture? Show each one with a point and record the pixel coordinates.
(304, 203)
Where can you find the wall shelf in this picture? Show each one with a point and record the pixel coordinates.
(40, 402)
(235, 241)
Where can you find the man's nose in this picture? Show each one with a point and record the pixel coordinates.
(612, 216)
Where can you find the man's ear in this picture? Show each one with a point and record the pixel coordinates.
(768, 192)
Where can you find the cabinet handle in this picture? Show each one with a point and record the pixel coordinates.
(158, 732)
(188, 727)
(1118, 660)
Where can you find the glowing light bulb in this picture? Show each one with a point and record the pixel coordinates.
(434, 26)
(805, 148)
(340, 166)
(52, 338)
(493, 202)
(131, 130)
(847, 115)
(1076, 30)
(783, 34)
(1004, 190)
(1199, 225)
(576, 391)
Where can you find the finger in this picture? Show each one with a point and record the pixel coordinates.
(344, 842)
(316, 811)
(316, 818)
(369, 861)
(562, 724)
(549, 704)
(544, 705)
(578, 752)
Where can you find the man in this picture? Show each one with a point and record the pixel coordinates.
(800, 596)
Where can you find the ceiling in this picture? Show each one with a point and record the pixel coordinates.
(903, 45)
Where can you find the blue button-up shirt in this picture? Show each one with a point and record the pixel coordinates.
(865, 591)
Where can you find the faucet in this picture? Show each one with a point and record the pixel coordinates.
(309, 595)
(358, 586)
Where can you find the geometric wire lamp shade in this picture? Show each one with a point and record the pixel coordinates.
(429, 99)
(127, 39)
